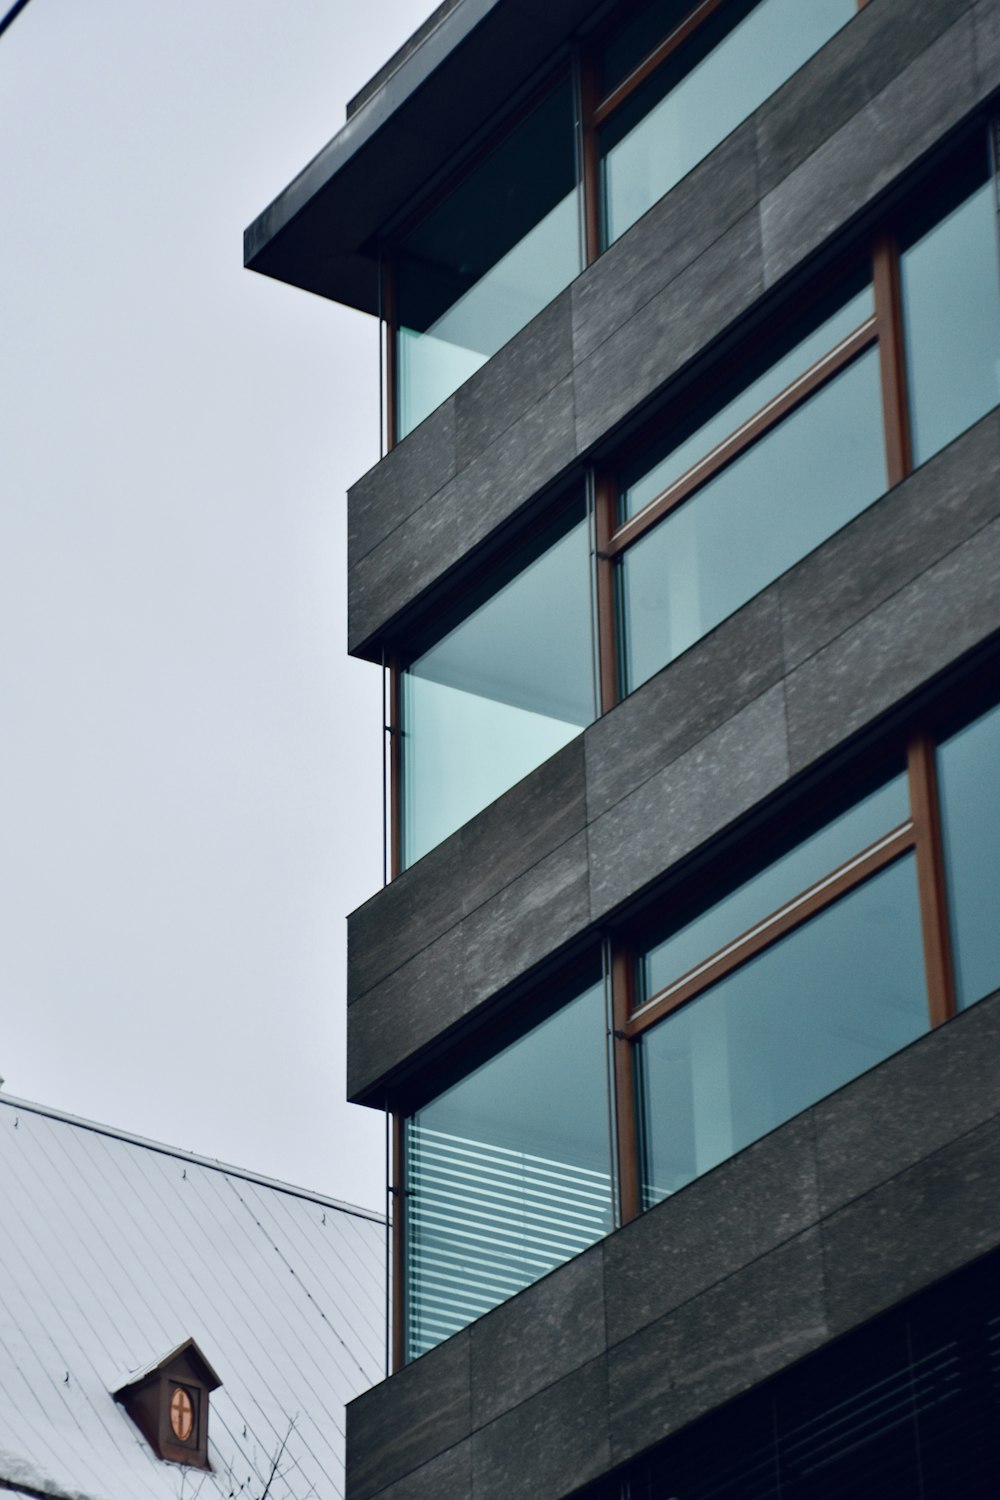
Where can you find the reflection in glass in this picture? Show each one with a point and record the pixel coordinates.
(969, 789)
(508, 1173)
(493, 253)
(730, 66)
(951, 315)
(500, 692)
(640, 489)
(830, 1000)
(739, 910)
(781, 498)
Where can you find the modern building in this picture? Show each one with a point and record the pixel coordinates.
(683, 569)
(172, 1327)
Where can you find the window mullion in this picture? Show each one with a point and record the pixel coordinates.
(821, 373)
(589, 156)
(606, 503)
(930, 879)
(397, 1271)
(395, 766)
(792, 915)
(622, 978)
(654, 59)
(388, 299)
(889, 315)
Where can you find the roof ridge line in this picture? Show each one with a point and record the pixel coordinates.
(28, 1105)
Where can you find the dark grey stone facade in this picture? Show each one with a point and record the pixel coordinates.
(894, 1181)
(902, 594)
(808, 165)
(866, 1198)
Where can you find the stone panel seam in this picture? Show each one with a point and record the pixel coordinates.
(788, 675)
(887, 598)
(389, 973)
(464, 917)
(691, 749)
(549, 1386)
(476, 458)
(987, 85)
(757, 211)
(880, 1187)
(638, 311)
(566, 1374)
(360, 556)
(385, 1489)
(817, 1224)
(921, 1161)
(809, 1229)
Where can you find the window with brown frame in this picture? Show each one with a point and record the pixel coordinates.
(866, 911)
(669, 80)
(740, 477)
(661, 85)
(746, 476)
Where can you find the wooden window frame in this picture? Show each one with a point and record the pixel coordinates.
(883, 329)
(880, 254)
(594, 110)
(598, 108)
(920, 835)
(912, 749)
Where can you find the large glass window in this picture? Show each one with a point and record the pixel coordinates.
(811, 972)
(508, 1173)
(742, 491)
(827, 1002)
(501, 690)
(950, 277)
(702, 90)
(487, 258)
(768, 976)
(969, 780)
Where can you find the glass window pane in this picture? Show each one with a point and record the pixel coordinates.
(500, 692)
(772, 888)
(635, 38)
(828, 1001)
(699, 96)
(479, 267)
(951, 314)
(639, 489)
(969, 789)
(508, 1173)
(781, 498)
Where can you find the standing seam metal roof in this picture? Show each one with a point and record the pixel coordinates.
(115, 1250)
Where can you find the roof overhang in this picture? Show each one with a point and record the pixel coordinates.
(320, 232)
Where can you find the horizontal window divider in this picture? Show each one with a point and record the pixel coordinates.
(652, 61)
(800, 389)
(781, 922)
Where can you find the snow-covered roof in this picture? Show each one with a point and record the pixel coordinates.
(113, 1250)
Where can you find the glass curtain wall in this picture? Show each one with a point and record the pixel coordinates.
(730, 64)
(730, 535)
(833, 996)
(738, 492)
(969, 789)
(484, 260)
(508, 1173)
(950, 282)
(503, 689)
(754, 995)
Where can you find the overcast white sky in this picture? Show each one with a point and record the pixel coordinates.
(190, 766)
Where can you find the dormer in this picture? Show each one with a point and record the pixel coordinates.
(168, 1402)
